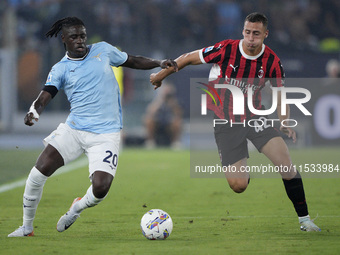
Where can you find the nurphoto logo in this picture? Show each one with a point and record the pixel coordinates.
(238, 104)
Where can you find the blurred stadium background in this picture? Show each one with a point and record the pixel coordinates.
(304, 33)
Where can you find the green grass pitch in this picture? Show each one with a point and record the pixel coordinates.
(208, 217)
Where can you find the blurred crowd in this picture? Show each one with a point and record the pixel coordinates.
(159, 28)
(301, 31)
(166, 25)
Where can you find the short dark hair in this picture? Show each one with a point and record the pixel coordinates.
(65, 22)
(257, 17)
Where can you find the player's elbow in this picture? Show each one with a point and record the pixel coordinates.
(191, 58)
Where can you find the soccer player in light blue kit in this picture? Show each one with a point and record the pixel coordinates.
(93, 125)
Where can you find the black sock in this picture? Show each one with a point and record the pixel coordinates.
(296, 194)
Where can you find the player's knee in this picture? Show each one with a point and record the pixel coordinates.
(238, 185)
(49, 161)
(46, 167)
(238, 189)
(100, 191)
(101, 186)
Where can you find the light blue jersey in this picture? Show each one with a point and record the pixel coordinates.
(91, 88)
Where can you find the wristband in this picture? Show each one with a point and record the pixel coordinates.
(34, 111)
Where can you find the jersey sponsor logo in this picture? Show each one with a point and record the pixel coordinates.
(244, 86)
(208, 49)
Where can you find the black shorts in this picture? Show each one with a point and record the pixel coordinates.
(232, 141)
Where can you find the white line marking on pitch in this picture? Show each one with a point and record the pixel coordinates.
(249, 216)
(68, 168)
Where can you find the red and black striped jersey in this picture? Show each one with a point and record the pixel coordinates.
(233, 66)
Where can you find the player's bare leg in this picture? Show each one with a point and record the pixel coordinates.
(101, 183)
(277, 151)
(48, 162)
(238, 180)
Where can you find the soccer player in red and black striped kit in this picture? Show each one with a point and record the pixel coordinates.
(248, 64)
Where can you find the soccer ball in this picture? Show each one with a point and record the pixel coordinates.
(156, 224)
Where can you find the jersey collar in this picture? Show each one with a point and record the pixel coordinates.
(78, 59)
(247, 56)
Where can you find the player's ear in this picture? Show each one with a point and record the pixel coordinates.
(266, 34)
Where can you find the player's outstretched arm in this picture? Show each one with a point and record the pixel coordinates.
(191, 58)
(37, 108)
(140, 62)
(287, 130)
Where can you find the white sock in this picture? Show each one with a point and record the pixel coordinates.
(32, 195)
(89, 200)
(304, 218)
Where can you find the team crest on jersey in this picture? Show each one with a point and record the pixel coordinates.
(208, 49)
(260, 73)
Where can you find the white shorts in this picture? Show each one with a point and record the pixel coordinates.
(101, 149)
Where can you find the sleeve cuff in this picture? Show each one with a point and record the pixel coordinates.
(201, 56)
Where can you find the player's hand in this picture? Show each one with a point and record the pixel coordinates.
(155, 81)
(29, 119)
(167, 63)
(289, 132)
